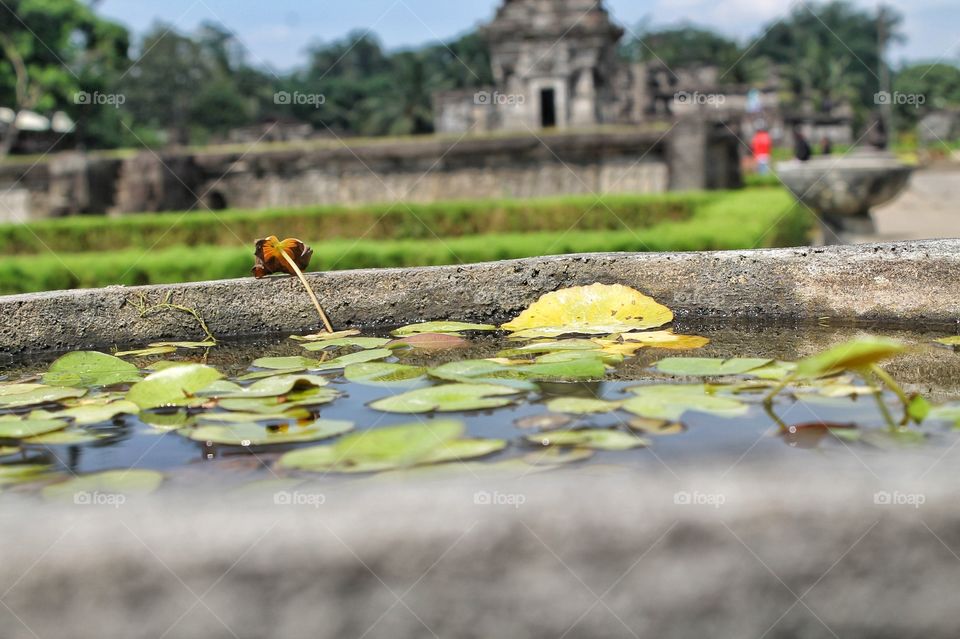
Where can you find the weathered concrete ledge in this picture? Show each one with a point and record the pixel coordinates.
(894, 284)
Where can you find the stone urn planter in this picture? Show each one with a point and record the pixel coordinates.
(842, 190)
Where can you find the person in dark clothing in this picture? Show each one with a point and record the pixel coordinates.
(801, 148)
(826, 146)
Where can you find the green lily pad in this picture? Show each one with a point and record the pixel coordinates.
(147, 352)
(16, 428)
(88, 414)
(187, 345)
(294, 361)
(655, 426)
(481, 371)
(551, 346)
(375, 449)
(172, 386)
(359, 342)
(853, 355)
(666, 401)
(555, 456)
(775, 370)
(90, 368)
(319, 337)
(310, 397)
(709, 366)
(274, 386)
(165, 421)
(21, 395)
(430, 341)
(446, 398)
(461, 449)
(254, 376)
(353, 358)
(953, 340)
(116, 482)
(63, 438)
(238, 417)
(22, 473)
(440, 327)
(581, 405)
(382, 373)
(593, 438)
(252, 434)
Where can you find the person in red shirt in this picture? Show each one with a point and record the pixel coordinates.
(761, 146)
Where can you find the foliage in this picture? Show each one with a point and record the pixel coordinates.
(756, 218)
(939, 84)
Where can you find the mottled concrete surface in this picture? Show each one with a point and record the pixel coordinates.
(906, 283)
(802, 550)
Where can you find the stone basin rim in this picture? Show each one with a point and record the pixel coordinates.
(880, 285)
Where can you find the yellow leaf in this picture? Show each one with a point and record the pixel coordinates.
(596, 309)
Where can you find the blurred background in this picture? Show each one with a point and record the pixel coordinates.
(143, 142)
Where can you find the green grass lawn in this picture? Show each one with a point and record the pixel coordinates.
(757, 217)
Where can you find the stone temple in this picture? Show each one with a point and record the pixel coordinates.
(555, 65)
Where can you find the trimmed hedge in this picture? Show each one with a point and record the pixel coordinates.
(79, 234)
(735, 220)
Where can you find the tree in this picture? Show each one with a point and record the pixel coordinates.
(689, 45)
(925, 87)
(829, 51)
(66, 50)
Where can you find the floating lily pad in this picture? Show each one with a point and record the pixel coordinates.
(593, 438)
(88, 414)
(853, 355)
(551, 346)
(555, 456)
(63, 438)
(655, 426)
(430, 341)
(446, 398)
(567, 368)
(172, 386)
(359, 342)
(775, 370)
(462, 449)
(353, 358)
(581, 405)
(147, 352)
(187, 345)
(481, 371)
(22, 473)
(383, 373)
(239, 417)
(272, 386)
(118, 482)
(276, 363)
(440, 327)
(252, 434)
(22, 395)
(953, 340)
(709, 366)
(316, 337)
(16, 428)
(664, 339)
(582, 364)
(375, 449)
(310, 397)
(546, 421)
(590, 310)
(90, 368)
(665, 401)
(251, 377)
(166, 420)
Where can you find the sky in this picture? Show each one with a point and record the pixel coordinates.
(277, 33)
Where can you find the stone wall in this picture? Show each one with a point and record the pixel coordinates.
(689, 155)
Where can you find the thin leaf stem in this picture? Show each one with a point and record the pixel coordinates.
(306, 285)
